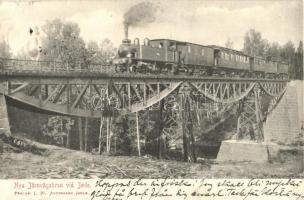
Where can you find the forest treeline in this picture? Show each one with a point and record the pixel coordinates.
(256, 45)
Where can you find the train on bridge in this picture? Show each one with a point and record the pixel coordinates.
(167, 57)
(161, 56)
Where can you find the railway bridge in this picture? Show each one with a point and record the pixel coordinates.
(97, 91)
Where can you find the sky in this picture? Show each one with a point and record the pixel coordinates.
(197, 21)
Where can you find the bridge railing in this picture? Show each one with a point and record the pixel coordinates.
(52, 66)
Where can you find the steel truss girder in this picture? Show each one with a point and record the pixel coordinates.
(129, 96)
(87, 99)
(224, 92)
(274, 89)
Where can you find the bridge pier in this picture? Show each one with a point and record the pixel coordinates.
(4, 120)
(284, 122)
(276, 134)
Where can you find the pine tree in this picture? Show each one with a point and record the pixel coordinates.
(299, 62)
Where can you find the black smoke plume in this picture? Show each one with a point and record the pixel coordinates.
(140, 15)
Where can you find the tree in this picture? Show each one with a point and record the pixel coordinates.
(123, 135)
(287, 54)
(254, 44)
(63, 43)
(299, 62)
(22, 55)
(108, 50)
(4, 53)
(100, 53)
(93, 52)
(273, 50)
(58, 129)
(229, 44)
(4, 50)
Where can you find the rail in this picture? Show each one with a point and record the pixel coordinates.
(54, 66)
(11, 67)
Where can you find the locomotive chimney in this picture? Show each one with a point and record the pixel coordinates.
(126, 40)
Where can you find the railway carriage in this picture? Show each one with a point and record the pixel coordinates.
(195, 55)
(264, 68)
(229, 61)
(283, 69)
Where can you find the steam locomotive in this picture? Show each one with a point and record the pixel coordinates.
(165, 56)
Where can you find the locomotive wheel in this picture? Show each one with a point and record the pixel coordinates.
(158, 70)
(147, 69)
(143, 69)
(120, 68)
(117, 68)
(209, 72)
(186, 70)
(174, 69)
(190, 70)
(132, 69)
(166, 69)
